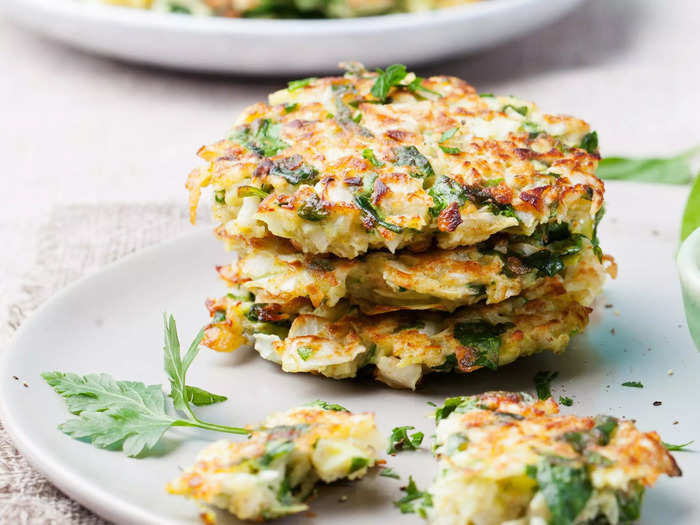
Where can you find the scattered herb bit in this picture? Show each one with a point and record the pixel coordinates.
(677, 448)
(389, 473)
(275, 450)
(261, 137)
(312, 209)
(299, 84)
(416, 85)
(448, 365)
(447, 135)
(219, 315)
(605, 426)
(450, 151)
(220, 196)
(454, 404)
(358, 463)
(483, 337)
(691, 215)
(410, 156)
(328, 406)
(130, 415)
(444, 192)
(566, 401)
(293, 170)
(630, 502)
(565, 488)
(305, 352)
(456, 443)
(368, 154)
(633, 384)
(393, 76)
(542, 381)
(251, 191)
(177, 8)
(486, 95)
(400, 440)
(415, 501)
(518, 109)
(363, 202)
(288, 108)
(589, 142)
(492, 182)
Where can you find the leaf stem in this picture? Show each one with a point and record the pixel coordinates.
(209, 426)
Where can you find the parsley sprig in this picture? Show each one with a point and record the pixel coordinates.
(129, 415)
(394, 76)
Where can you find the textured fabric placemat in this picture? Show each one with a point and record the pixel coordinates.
(75, 241)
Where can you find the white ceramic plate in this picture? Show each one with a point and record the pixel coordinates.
(282, 47)
(111, 322)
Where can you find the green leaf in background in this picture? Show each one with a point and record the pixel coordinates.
(691, 216)
(671, 170)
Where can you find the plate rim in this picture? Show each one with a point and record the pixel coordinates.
(132, 17)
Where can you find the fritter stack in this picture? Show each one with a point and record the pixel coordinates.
(402, 224)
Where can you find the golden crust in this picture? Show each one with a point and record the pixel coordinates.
(513, 167)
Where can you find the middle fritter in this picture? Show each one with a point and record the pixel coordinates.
(406, 224)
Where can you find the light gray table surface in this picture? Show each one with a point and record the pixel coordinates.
(82, 130)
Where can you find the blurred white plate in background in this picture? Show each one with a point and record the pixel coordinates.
(282, 47)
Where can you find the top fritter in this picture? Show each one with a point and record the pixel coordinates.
(389, 160)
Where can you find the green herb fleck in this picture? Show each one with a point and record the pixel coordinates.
(261, 137)
(299, 84)
(542, 381)
(450, 151)
(415, 501)
(444, 192)
(566, 401)
(483, 337)
(393, 76)
(368, 154)
(629, 502)
(251, 191)
(518, 109)
(362, 201)
(328, 406)
(312, 209)
(633, 384)
(220, 196)
(565, 488)
(589, 142)
(447, 135)
(400, 440)
(358, 463)
(389, 473)
(305, 352)
(410, 156)
(677, 448)
(288, 108)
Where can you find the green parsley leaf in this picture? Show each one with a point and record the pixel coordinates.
(633, 384)
(219, 315)
(293, 170)
(565, 488)
(363, 202)
(358, 463)
(416, 85)
(299, 84)
(677, 448)
(444, 192)
(368, 154)
(313, 209)
(484, 338)
(518, 109)
(415, 501)
(542, 381)
(288, 108)
(486, 95)
(275, 450)
(447, 135)
(305, 352)
(251, 191)
(200, 398)
(589, 142)
(629, 502)
(400, 440)
(459, 404)
(177, 8)
(410, 156)
(328, 406)
(130, 415)
(604, 428)
(261, 137)
(691, 215)
(220, 196)
(393, 76)
(450, 151)
(389, 473)
(566, 401)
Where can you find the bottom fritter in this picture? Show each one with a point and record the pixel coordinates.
(404, 346)
(274, 472)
